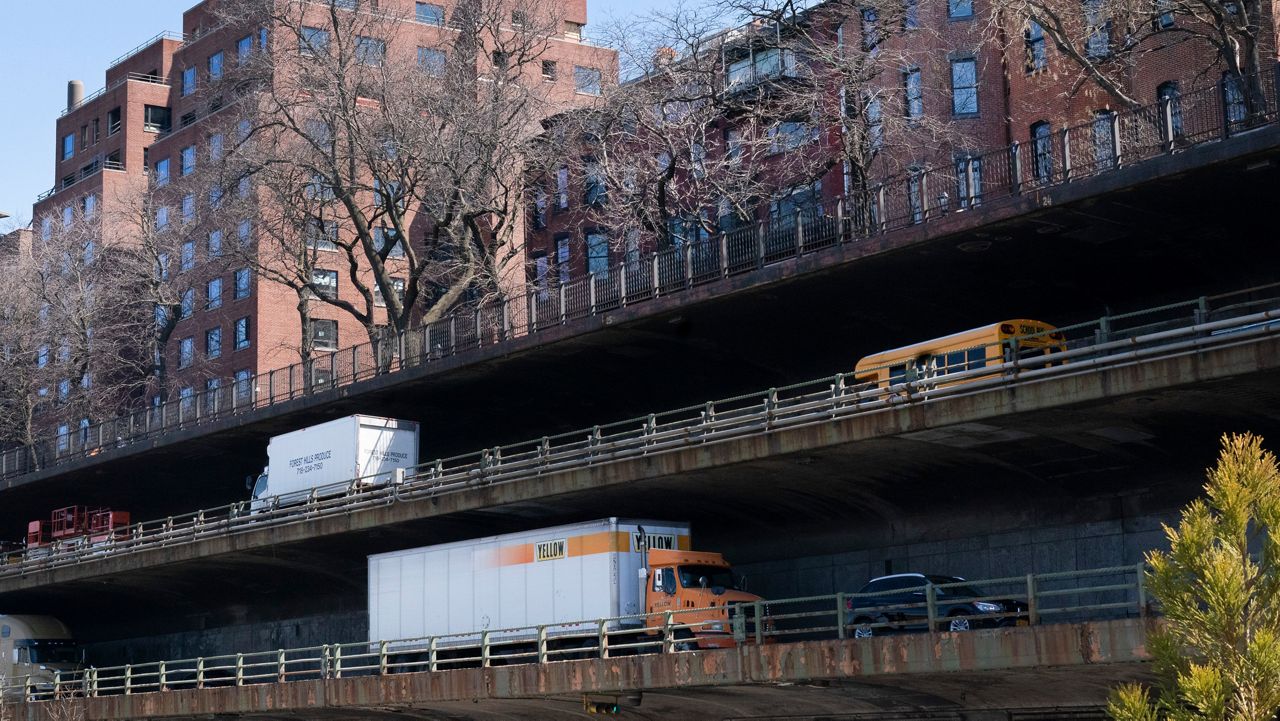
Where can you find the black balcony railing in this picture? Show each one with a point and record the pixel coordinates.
(1099, 146)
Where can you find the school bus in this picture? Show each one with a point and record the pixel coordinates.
(989, 345)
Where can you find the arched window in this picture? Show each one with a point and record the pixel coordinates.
(1170, 102)
(1042, 151)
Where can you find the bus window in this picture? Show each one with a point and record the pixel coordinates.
(977, 357)
(955, 361)
(897, 374)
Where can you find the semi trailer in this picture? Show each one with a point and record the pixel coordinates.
(325, 459)
(554, 577)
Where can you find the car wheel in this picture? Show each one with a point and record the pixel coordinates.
(862, 627)
(957, 623)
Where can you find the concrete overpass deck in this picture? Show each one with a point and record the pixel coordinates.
(1049, 671)
(849, 459)
(1115, 239)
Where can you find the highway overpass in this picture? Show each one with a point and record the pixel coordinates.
(1065, 252)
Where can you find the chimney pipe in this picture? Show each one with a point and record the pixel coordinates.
(75, 94)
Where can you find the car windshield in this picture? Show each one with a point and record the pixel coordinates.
(961, 591)
(717, 576)
(51, 651)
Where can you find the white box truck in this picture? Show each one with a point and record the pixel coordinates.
(32, 649)
(561, 575)
(331, 455)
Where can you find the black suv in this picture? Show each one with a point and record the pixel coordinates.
(903, 605)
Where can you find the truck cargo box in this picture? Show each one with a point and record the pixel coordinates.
(558, 575)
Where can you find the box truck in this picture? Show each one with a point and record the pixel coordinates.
(32, 649)
(579, 572)
(326, 457)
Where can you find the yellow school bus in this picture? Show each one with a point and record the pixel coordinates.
(989, 345)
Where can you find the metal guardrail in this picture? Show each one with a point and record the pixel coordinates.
(1031, 599)
(1076, 152)
(1192, 326)
(165, 35)
(135, 77)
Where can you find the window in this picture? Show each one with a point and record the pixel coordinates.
(501, 60)
(324, 334)
(1033, 37)
(632, 250)
(162, 218)
(215, 66)
(187, 305)
(215, 147)
(914, 93)
(370, 51)
(594, 189)
(68, 215)
(42, 356)
(244, 384)
(1104, 140)
(968, 180)
(211, 387)
(215, 244)
(1042, 150)
(959, 8)
(1233, 96)
(213, 342)
(188, 81)
(186, 351)
(68, 146)
(549, 71)
(244, 48)
(789, 135)
(562, 258)
(539, 214)
(871, 36)
(213, 294)
(429, 13)
(964, 87)
(244, 232)
(397, 285)
(432, 61)
(386, 237)
(784, 208)
(1170, 98)
(156, 119)
(243, 186)
(113, 121)
(46, 228)
(562, 187)
(519, 18)
(215, 197)
(162, 269)
(186, 400)
(189, 160)
(761, 65)
(242, 333)
(64, 390)
(1098, 44)
(911, 14)
(241, 284)
(1165, 19)
(914, 200)
(188, 208)
(313, 41)
(541, 271)
(89, 206)
(64, 440)
(325, 282)
(586, 80)
(597, 252)
(187, 261)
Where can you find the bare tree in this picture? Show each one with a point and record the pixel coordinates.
(1104, 40)
(397, 166)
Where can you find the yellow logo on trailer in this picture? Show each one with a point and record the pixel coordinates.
(551, 550)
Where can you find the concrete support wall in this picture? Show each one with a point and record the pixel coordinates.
(346, 627)
(1013, 552)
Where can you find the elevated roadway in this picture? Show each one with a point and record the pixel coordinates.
(1119, 239)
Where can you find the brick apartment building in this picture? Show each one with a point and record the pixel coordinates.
(152, 125)
(985, 86)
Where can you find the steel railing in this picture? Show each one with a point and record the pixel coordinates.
(135, 77)
(1089, 149)
(1192, 326)
(1026, 600)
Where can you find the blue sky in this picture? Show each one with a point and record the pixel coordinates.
(48, 42)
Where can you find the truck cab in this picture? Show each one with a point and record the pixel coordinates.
(35, 648)
(681, 580)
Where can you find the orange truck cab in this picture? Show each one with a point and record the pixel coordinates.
(698, 587)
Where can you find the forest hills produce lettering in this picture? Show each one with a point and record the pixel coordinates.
(310, 462)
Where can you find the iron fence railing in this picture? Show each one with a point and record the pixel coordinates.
(1188, 327)
(952, 607)
(1101, 145)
